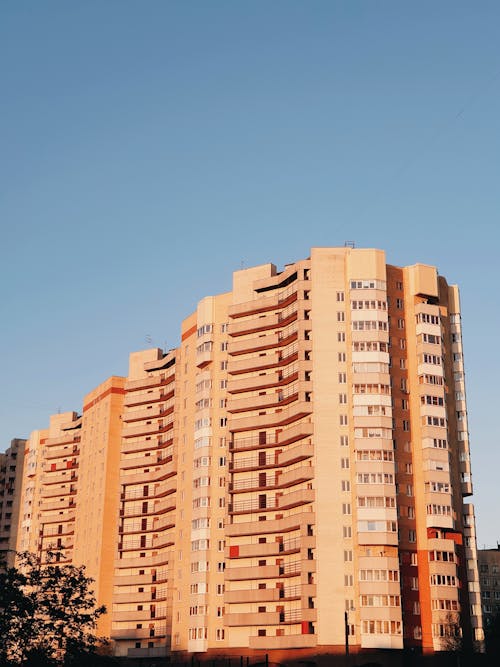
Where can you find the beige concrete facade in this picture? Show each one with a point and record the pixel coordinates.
(295, 470)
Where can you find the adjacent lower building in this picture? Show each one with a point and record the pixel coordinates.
(294, 476)
(11, 470)
(489, 571)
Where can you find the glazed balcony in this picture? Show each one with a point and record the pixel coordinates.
(271, 594)
(288, 415)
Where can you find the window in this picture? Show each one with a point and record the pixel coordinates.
(340, 316)
(340, 296)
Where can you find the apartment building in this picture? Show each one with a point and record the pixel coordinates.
(69, 499)
(489, 572)
(293, 478)
(11, 469)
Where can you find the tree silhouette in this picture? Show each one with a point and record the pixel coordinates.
(48, 612)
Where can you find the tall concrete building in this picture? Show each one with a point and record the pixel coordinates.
(11, 470)
(293, 476)
(69, 499)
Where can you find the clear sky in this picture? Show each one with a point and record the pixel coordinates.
(148, 149)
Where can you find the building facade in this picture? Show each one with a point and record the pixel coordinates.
(11, 471)
(293, 476)
(489, 572)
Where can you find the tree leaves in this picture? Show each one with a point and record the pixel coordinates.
(48, 612)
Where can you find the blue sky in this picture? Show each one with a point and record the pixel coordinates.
(140, 142)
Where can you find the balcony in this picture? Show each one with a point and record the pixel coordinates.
(146, 382)
(159, 393)
(275, 378)
(150, 412)
(271, 503)
(271, 400)
(274, 548)
(261, 323)
(283, 642)
(261, 303)
(138, 633)
(275, 459)
(66, 439)
(271, 594)
(146, 429)
(277, 480)
(253, 344)
(146, 596)
(278, 418)
(299, 521)
(144, 615)
(157, 474)
(136, 579)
